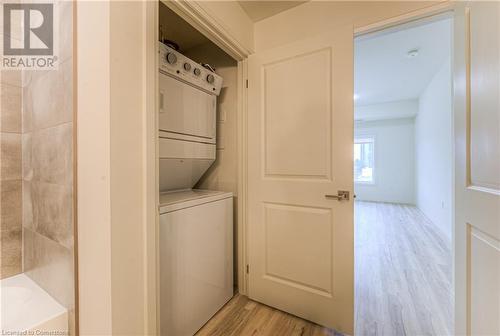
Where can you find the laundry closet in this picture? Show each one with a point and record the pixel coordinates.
(198, 167)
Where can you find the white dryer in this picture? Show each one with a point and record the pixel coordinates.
(196, 226)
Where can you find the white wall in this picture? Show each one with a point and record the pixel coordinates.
(394, 161)
(433, 150)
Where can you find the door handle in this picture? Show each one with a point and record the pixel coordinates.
(342, 195)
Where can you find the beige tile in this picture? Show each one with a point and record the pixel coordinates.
(10, 253)
(65, 10)
(52, 155)
(26, 157)
(11, 110)
(8, 271)
(11, 205)
(11, 248)
(46, 98)
(27, 109)
(10, 148)
(67, 69)
(11, 77)
(50, 265)
(27, 206)
(52, 207)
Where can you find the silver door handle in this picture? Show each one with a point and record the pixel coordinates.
(342, 195)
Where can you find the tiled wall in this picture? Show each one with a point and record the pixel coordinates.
(37, 234)
(47, 174)
(10, 174)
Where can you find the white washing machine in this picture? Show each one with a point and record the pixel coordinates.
(196, 253)
(196, 226)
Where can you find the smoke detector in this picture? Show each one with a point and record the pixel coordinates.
(412, 53)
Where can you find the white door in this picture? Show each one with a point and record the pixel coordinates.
(300, 134)
(477, 125)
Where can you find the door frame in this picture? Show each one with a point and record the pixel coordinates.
(429, 13)
(215, 31)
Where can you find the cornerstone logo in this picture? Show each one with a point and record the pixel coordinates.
(28, 39)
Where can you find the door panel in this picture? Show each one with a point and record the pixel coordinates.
(485, 95)
(290, 232)
(477, 183)
(300, 126)
(485, 283)
(297, 115)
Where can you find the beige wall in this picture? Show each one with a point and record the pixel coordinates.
(93, 166)
(127, 109)
(111, 163)
(316, 17)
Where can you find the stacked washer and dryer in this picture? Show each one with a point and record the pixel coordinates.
(196, 226)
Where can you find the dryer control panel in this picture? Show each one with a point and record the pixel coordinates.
(175, 64)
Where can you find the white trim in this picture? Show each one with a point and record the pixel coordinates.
(404, 19)
(208, 25)
(242, 176)
(150, 166)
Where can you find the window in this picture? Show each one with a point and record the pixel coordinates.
(364, 159)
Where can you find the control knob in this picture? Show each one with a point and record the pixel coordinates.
(210, 79)
(187, 66)
(171, 58)
(197, 71)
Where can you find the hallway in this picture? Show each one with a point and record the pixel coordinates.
(403, 272)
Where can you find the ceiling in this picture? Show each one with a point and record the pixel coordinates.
(259, 10)
(384, 72)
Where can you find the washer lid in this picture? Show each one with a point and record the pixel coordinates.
(176, 200)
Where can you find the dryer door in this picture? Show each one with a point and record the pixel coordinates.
(185, 110)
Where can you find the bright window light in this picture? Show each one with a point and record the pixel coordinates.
(364, 160)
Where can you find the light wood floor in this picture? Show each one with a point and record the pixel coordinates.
(403, 273)
(242, 317)
(402, 283)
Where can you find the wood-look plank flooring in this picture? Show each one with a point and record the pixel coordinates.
(402, 283)
(242, 316)
(403, 272)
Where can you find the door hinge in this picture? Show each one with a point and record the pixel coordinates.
(248, 269)
(247, 83)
